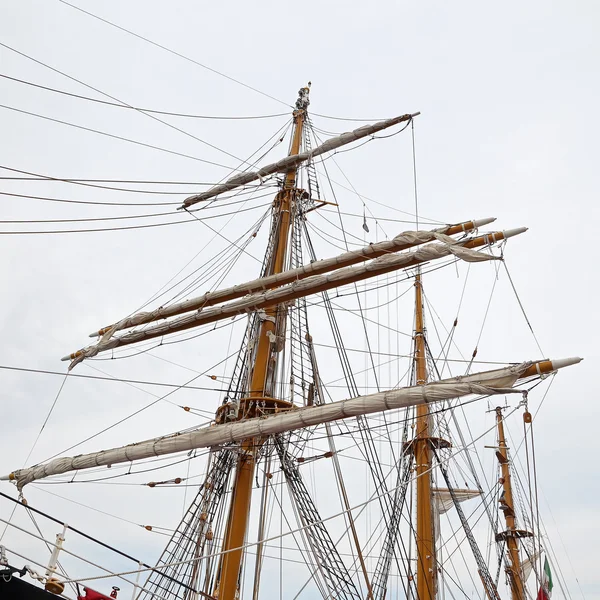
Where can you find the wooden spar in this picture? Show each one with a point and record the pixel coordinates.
(402, 242)
(293, 161)
(272, 298)
(239, 510)
(512, 534)
(425, 540)
(276, 422)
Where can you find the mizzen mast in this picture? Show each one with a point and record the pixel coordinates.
(261, 377)
(512, 535)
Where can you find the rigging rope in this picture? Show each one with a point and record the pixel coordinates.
(174, 52)
(131, 227)
(149, 115)
(116, 137)
(71, 581)
(155, 383)
(140, 109)
(522, 308)
(124, 217)
(88, 183)
(414, 164)
(373, 497)
(60, 389)
(137, 412)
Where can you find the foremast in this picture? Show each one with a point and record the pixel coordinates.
(261, 378)
(512, 535)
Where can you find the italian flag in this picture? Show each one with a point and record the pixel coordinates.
(545, 592)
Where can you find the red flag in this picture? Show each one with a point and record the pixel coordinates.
(93, 595)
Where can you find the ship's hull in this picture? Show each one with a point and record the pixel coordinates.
(17, 589)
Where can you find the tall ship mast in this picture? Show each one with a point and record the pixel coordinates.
(344, 478)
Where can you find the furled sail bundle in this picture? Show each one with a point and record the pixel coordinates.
(299, 288)
(292, 162)
(402, 241)
(497, 381)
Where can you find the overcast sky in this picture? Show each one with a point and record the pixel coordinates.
(509, 127)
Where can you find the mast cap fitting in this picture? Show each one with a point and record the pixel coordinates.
(565, 362)
(512, 232)
(481, 222)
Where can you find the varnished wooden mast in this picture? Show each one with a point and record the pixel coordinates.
(264, 364)
(425, 541)
(512, 534)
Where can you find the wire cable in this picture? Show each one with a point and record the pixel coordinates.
(87, 183)
(118, 379)
(522, 307)
(174, 52)
(130, 227)
(60, 389)
(126, 217)
(150, 116)
(137, 412)
(221, 235)
(345, 118)
(117, 137)
(145, 110)
(141, 181)
(279, 135)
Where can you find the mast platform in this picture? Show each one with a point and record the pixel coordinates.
(251, 407)
(503, 536)
(436, 443)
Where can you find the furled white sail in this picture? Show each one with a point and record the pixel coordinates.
(291, 162)
(297, 289)
(497, 381)
(403, 241)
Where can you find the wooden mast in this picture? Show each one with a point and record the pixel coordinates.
(425, 541)
(260, 389)
(512, 534)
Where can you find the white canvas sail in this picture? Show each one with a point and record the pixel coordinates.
(443, 502)
(402, 241)
(291, 162)
(528, 564)
(311, 285)
(497, 381)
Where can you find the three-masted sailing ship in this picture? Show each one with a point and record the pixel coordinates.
(360, 495)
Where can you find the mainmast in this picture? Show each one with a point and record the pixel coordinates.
(261, 377)
(512, 534)
(421, 445)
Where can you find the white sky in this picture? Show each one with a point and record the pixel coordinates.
(508, 96)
